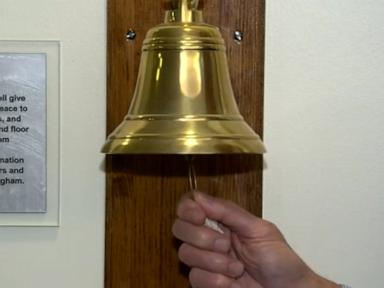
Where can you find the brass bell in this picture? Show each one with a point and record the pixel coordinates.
(183, 102)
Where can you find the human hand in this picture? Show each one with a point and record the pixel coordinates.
(252, 253)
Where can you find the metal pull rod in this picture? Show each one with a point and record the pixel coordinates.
(214, 225)
(192, 174)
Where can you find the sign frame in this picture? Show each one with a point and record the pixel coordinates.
(52, 50)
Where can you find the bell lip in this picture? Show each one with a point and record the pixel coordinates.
(200, 134)
(158, 146)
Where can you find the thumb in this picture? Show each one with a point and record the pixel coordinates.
(229, 214)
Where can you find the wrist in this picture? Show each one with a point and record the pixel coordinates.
(316, 281)
(325, 283)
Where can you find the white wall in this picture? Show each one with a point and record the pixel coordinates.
(73, 254)
(324, 128)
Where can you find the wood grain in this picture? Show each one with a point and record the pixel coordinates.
(143, 191)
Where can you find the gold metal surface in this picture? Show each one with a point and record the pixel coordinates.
(183, 102)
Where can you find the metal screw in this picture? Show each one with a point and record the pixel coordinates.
(238, 35)
(131, 35)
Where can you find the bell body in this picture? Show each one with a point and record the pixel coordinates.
(183, 101)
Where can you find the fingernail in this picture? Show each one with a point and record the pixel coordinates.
(235, 285)
(236, 268)
(221, 245)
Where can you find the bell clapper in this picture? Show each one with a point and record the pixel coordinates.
(214, 225)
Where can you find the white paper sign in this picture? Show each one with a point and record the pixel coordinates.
(23, 139)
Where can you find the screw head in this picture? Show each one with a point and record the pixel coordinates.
(131, 35)
(238, 36)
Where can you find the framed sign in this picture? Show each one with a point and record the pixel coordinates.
(29, 133)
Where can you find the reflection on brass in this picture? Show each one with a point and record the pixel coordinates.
(183, 102)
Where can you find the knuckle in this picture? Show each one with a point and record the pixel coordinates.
(204, 278)
(269, 226)
(219, 280)
(269, 229)
(218, 262)
(203, 236)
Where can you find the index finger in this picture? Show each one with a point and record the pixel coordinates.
(189, 211)
(229, 214)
